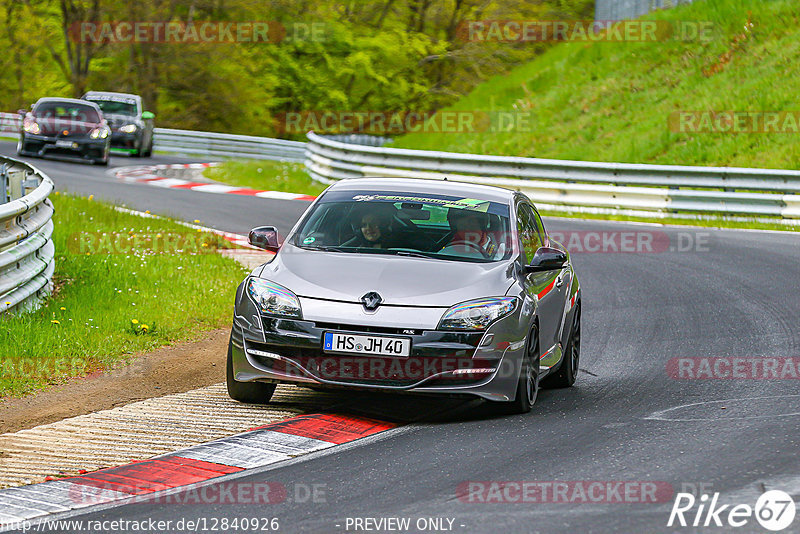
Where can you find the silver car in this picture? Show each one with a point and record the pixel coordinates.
(425, 286)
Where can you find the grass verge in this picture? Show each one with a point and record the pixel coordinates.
(266, 175)
(616, 101)
(704, 222)
(112, 302)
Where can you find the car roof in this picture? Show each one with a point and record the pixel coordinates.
(90, 94)
(67, 101)
(420, 185)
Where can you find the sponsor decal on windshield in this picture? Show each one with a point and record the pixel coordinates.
(463, 203)
(111, 98)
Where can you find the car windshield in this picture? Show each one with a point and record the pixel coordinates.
(114, 107)
(408, 224)
(66, 111)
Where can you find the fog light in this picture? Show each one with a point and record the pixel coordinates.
(264, 354)
(474, 371)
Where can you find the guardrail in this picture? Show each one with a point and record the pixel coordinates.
(227, 145)
(201, 143)
(660, 190)
(26, 227)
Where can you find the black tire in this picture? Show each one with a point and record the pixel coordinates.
(21, 149)
(248, 392)
(101, 162)
(528, 382)
(149, 151)
(568, 372)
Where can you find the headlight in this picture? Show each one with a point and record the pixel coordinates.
(128, 128)
(30, 126)
(477, 314)
(99, 133)
(274, 299)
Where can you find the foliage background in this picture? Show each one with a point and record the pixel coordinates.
(382, 55)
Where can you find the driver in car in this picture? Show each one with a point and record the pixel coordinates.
(372, 232)
(471, 232)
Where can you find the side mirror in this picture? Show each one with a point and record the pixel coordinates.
(22, 111)
(265, 237)
(146, 115)
(547, 259)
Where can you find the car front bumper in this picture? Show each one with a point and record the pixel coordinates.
(126, 141)
(484, 364)
(46, 145)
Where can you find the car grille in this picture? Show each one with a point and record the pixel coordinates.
(368, 329)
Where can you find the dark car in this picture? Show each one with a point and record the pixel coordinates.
(410, 285)
(131, 127)
(65, 127)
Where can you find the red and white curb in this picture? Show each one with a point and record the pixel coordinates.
(258, 447)
(154, 175)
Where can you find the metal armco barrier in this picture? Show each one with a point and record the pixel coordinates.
(660, 190)
(26, 227)
(201, 143)
(630, 9)
(227, 145)
(650, 189)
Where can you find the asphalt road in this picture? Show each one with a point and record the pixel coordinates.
(236, 214)
(728, 294)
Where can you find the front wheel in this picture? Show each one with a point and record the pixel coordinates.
(249, 392)
(528, 382)
(566, 374)
(149, 151)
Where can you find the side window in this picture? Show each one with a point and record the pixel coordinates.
(537, 222)
(529, 235)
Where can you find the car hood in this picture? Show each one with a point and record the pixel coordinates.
(59, 126)
(117, 121)
(399, 280)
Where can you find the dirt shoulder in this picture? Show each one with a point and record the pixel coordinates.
(168, 370)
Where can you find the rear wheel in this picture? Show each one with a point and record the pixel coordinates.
(566, 374)
(528, 382)
(249, 392)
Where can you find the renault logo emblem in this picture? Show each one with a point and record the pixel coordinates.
(371, 300)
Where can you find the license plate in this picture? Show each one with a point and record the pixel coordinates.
(64, 144)
(359, 344)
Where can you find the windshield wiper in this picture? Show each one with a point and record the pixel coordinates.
(326, 248)
(411, 254)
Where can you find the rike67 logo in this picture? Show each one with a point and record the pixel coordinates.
(774, 510)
